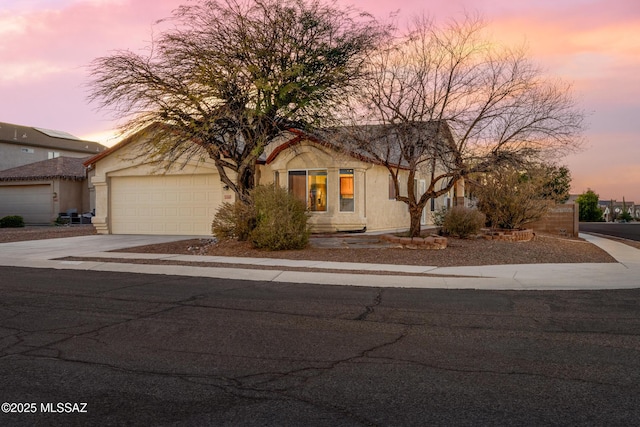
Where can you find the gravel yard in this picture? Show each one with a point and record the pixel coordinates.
(44, 232)
(543, 249)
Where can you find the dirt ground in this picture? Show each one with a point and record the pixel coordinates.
(44, 232)
(543, 249)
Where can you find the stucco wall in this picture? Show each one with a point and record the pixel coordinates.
(372, 209)
(12, 155)
(72, 195)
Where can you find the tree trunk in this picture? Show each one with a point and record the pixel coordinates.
(416, 216)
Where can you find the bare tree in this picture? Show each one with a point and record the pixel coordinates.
(231, 75)
(444, 103)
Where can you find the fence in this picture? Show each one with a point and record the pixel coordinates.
(561, 220)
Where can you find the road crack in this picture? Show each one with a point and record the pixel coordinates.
(369, 309)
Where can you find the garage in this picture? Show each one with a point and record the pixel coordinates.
(164, 204)
(33, 202)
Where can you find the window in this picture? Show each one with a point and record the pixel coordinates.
(53, 154)
(27, 150)
(346, 191)
(310, 187)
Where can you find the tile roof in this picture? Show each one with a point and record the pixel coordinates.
(39, 137)
(70, 168)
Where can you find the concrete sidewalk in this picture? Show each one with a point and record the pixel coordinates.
(43, 253)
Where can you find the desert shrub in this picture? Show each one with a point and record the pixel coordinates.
(234, 221)
(625, 216)
(12, 221)
(463, 222)
(510, 198)
(281, 219)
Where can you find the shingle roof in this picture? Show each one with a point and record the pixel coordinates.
(39, 137)
(70, 168)
(384, 139)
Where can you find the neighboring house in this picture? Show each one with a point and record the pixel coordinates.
(343, 191)
(40, 191)
(21, 145)
(612, 209)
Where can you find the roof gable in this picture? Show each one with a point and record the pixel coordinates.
(325, 138)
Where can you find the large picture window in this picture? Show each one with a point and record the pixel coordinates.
(310, 187)
(346, 191)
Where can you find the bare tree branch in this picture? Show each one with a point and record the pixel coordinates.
(453, 103)
(231, 75)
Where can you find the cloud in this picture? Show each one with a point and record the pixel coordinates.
(28, 71)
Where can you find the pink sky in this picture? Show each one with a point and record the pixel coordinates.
(45, 46)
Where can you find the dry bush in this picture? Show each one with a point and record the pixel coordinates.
(281, 219)
(234, 221)
(463, 222)
(274, 220)
(510, 198)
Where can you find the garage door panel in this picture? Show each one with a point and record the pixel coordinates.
(33, 202)
(164, 204)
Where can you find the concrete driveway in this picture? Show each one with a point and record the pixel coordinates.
(44, 254)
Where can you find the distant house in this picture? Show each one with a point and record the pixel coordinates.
(612, 209)
(41, 173)
(21, 145)
(344, 191)
(40, 191)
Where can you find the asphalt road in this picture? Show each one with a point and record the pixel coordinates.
(160, 350)
(629, 231)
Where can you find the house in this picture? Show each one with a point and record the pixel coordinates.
(40, 191)
(21, 145)
(33, 183)
(612, 209)
(344, 191)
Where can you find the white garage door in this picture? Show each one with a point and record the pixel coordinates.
(34, 203)
(164, 204)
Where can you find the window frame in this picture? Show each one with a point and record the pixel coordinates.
(352, 173)
(307, 189)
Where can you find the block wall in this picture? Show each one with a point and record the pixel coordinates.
(561, 220)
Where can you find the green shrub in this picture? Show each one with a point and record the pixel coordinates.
(234, 221)
(625, 216)
(281, 219)
(463, 222)
(11, 221)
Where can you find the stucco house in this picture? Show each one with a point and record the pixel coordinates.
(41, 173)
(40, 191)
(21, 145)
(344, 191)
